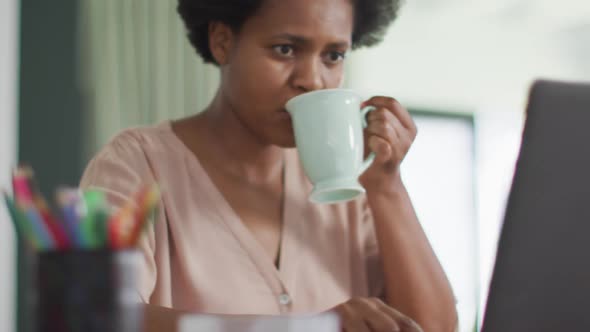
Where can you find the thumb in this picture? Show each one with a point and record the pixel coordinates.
(381, 148)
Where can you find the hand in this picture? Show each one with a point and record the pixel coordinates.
(373, 315)
(389, 134)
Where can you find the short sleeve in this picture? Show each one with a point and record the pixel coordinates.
(120, 169)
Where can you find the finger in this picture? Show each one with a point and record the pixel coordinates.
(385, 125)
(351, 319)
(378, 320)
(381, 119)
(357, 326)
(381, 116)
(384, 130)
(404, 136)
(395, 107)
(406, 323)
(382, 148)
(400, 130)
(380, 113)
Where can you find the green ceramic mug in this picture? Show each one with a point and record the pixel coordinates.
(328, 127)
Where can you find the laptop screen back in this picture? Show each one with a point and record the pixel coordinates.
(541, 279)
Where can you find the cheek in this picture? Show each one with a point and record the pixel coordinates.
(335, 77)
(259, 78)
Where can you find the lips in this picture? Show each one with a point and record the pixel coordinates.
(284, 115)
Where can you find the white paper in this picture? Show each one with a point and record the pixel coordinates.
(325, 322)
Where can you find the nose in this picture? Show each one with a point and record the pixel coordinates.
(308, 76)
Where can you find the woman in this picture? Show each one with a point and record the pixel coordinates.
(236, 233)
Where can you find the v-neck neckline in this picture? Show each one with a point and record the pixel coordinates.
(280, 279)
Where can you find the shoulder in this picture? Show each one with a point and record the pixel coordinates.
(139, 140)
(131, 159)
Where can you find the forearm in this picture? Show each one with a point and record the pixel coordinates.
(414, 279)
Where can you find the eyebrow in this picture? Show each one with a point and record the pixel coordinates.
(303, 40)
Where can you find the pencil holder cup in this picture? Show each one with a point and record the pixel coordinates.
(87, 291)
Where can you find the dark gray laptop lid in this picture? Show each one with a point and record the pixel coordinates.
(541, 279)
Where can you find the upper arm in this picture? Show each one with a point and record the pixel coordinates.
(120, 169)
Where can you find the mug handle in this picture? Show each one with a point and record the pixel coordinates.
(369, 160)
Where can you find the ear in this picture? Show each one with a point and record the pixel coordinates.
(221, 38)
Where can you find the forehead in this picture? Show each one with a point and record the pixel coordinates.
(331, 19)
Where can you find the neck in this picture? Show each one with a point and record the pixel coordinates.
(240, 151)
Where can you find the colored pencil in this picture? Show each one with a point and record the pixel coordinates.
(55, 227)
(68, 200)
(84, 220)
(39, 226)
(94, 201)
(123, 217)
(20, 187)
(146, 210)
(22, 225)
(24, 183)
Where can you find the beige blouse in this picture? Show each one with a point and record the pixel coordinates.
(199, 256)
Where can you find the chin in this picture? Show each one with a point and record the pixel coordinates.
(283, 135)
(287, 146)
(284, 139)
(285, 143)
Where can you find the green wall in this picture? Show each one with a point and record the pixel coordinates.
(50, 102)
(50, 112)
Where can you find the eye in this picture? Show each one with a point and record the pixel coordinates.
(284, 50)
(334, 57)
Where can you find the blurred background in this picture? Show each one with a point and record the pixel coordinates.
(76, 72)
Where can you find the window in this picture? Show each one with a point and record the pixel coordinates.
(439, 173)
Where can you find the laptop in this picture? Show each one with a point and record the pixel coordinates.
(541, 279)
(323, 322)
